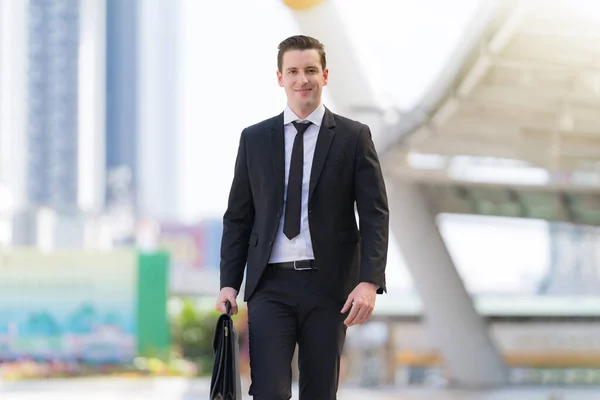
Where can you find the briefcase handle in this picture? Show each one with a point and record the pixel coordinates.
(228, 307)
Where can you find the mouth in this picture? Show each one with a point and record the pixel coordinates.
(303, 91)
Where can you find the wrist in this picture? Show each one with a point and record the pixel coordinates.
(371, 284)
(229, 289)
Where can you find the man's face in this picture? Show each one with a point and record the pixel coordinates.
(303, 78)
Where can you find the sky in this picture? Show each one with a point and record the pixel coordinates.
(230, 83)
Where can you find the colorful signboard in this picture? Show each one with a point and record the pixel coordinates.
(71, 305)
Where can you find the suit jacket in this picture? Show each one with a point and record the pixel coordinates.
(345, 173)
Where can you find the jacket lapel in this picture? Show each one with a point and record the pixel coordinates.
(324, 140)
(277, 156)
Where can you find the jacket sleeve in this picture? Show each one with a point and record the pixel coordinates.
(372, 205)
(238, 221)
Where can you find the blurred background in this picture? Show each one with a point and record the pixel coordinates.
(119, 124)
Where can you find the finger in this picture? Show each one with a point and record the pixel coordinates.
(347, 305)
(219, 305)
(352, 316)
(364, 315)
(234, 307)
(359, 315)
(355, 320)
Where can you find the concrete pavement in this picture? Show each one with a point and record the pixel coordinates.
(197, 389)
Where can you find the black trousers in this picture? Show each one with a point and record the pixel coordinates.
(289, 308)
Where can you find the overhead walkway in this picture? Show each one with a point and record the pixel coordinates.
(516, 133)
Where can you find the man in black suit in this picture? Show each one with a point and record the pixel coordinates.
(311, 273)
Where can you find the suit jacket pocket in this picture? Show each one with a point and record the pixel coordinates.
(350, 236)
(253, 239)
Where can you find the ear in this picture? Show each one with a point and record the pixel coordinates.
(325, 76)
(279, 78)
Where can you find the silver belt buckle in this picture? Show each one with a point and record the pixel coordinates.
(301, 269)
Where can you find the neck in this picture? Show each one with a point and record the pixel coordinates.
(303, 113)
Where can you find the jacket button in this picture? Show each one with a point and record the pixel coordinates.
(270, 243)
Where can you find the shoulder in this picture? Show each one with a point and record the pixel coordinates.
(350, 126)
(263, 127)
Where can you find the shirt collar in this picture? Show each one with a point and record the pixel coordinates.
(316, 117)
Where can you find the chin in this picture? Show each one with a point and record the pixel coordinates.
(306, 103)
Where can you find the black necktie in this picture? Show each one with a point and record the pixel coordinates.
(293, 205)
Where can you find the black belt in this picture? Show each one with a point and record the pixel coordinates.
(302, 265)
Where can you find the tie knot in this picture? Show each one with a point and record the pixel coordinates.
(301, 127)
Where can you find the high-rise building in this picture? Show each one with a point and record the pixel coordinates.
(122, 48)
(159, 80)
(91, 91)
(53, 112)
(58, 137)
(13, 98)
(142, 106)
(65, 105)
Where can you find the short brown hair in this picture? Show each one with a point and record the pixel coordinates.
(300, 42)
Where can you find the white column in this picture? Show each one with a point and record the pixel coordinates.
(5, 37)
(92, 98)
(13, 98)
(158, 113)
(458, 331)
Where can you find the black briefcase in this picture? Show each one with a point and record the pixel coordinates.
(225, 383)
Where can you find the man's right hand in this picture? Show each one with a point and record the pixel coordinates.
(227, 294)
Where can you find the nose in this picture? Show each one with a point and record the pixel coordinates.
(303, 78)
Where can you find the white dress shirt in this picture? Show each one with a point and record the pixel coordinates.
(300, 247)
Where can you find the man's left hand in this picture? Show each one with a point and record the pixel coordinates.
(362, 301)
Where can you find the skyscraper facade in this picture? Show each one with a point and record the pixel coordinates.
(121, 101)
(52, 128)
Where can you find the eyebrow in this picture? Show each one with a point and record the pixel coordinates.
(308, 67)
